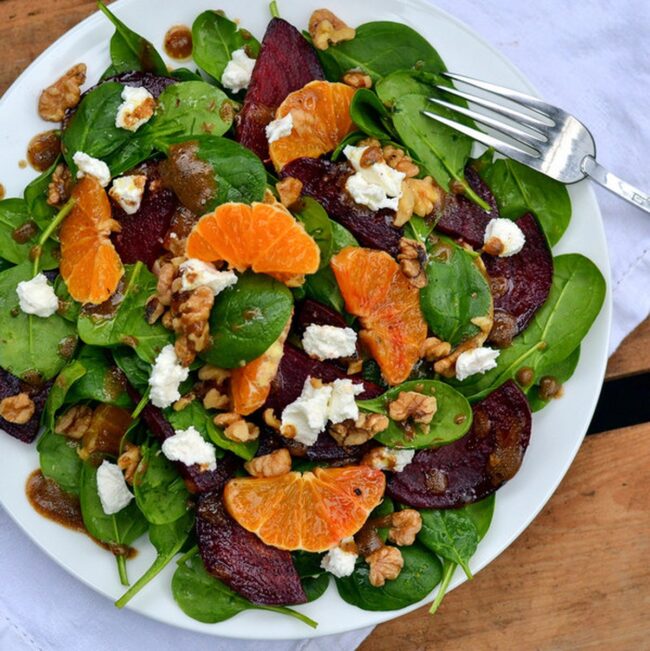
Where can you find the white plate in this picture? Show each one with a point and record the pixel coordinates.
(557, 431)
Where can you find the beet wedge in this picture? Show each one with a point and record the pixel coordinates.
(10, 385)
(262, 574)
(325, 182)
(312, 312)
(474, 466)
(286, 63)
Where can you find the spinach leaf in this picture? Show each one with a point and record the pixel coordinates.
(452, 419)
(400, 83)
(196, 415)
(68, 308)
(30, 344)
(370, 115)
(246, 319)
(519, 189)
(575, 299)
(19, 234)
(59, 460)
(136, 370)
(35, 195)
(122, 322)
(350, 139)
(418, 228)
(168, 539)
(316, 222)
(419, 576)
(130, 51)
(215, 38)
(206, 599)
(450, 313)
(160, 491)
(561, 371)
(315, 586)
(56, 398)
(378, 49)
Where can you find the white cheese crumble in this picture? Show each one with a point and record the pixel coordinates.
(37, 297)
(308, 413)
(127, 192)
(89, 166)
(377, 186)
(137, 108)
(280, 128)
(477, 360)
(166, 376)
(510, 236)
(238, 71)
(342, 405)
(392, 459)
(329, 342)
(196, 273)
(189, 447)
(113, 492)
(339, 562)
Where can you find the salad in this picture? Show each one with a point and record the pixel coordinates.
(262, 311)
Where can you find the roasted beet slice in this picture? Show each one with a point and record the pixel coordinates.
(142, 234)
(262, 574)
(155, 84)
(474, 466)
(312, 312)
(325, 181)
(296, 366)
(520, 283)
(462, 218)
(286, 63)
(328, 450)
(10, 385)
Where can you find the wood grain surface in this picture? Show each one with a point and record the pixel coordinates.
(579, 577)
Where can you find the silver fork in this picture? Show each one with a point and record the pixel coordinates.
(545, 137)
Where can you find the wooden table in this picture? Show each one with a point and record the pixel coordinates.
(579, 577)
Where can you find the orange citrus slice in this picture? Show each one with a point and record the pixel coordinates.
(320, 112)
(263, 237)
(388, 306)
(90, 265)
(312, 511)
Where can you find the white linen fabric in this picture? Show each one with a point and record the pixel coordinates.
(592, 58)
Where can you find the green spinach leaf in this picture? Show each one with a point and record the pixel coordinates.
(35, 195)
(316, 222)
(59, 460)
(561, 371)
(68, 308)
(56, 398)
(370, 115)
(136, 370)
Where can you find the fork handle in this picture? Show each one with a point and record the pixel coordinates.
(612, 183)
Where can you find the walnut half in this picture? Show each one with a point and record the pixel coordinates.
(270, 465)
(62, 95)
(74, 423)
(404, 526)
(351, 432)
(385, 565)
(412, 257)
(414, 406)
(326, 29)
(17, 409)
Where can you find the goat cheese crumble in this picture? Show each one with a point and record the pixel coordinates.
(238, 71)
(377, 186)
(477, 360)
(279, 128)
(329, 342)
(308, 413)
(89, 166)
(342, 404)
(392, 459)
(189, 447)
(37, 297)
(196, 273)
(339, 562)
(136, 109)
(511, 238)
(127, 192)
(166, 376)
(113, 492)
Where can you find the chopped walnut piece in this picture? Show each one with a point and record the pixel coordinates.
(184, 401)
(128, 461)
(399, 160)
(190, 322)
(370, 156)
(351, 432)
(357, 79)
(385, 565)
(214, 399)
(412, 258)
(74, 423)
(236, 428)
(17, 409)
(447, 365)
(404, 526)
(153, 309)
(419, 197)
(270, 465)
(62, 95)
(60, 186)
(167, 270)
(434, 349)
(213, 374)
(326, 29)
(414, 406)
(271, 419)
(355, 366)
(289, 190)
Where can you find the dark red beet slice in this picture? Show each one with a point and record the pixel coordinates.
(286, 63)
(142, 234)
(325, 181)
(296, 366)
(521, 282)
(462, 218)
(262, 574)
(312, 312)
(10, 385)
(474, 466)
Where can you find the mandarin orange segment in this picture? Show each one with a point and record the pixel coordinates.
(90, 265)
(263, 237)
(320, 112)
(312, 511)
(388, 306)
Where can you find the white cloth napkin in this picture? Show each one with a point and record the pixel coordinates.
(592, 58)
